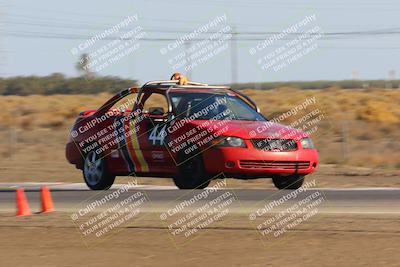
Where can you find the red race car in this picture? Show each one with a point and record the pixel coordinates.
(189, 131)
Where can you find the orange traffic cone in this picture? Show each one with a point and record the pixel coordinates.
(22, 203)
(47, 201)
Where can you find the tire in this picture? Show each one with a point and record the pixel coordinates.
(95, 172)
(192, 174)
(288, 182)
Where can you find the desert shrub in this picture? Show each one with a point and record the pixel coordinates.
(376, 111)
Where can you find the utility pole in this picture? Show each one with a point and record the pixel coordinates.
(392, 75)
(2, 51)
(187, 59)
(355, 75)
(234, 57)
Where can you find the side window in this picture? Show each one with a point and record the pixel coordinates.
(126, 103)
(156, 104)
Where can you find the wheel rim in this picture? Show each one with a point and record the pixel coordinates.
(93, 168)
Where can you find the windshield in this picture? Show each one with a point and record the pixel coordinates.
(205, 106)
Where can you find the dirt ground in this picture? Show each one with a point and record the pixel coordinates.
(52, 240)
(326, 176)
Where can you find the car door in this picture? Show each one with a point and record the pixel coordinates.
(148, 136)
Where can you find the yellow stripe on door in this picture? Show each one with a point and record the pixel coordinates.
(136, 148)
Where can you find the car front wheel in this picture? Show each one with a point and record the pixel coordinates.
(192, 174)
(288, 182)
(95, 172)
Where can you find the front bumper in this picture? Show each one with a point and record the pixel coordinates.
(250, 162)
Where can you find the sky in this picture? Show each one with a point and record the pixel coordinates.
(312, 40)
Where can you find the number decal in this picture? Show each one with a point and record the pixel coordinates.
(158, 136)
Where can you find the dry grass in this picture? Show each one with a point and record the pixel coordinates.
(379, 105)
(34, 129)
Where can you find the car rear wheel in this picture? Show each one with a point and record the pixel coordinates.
(95, 172)
(288, 182)
(192, 174)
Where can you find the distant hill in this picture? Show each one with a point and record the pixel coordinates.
(344, 84)
(59, 84)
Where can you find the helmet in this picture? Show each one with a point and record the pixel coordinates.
(182, 80)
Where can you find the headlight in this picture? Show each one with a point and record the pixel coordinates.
(235, 142)
(228, 142)
(306, 143)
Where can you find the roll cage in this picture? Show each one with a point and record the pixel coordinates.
(164, 87)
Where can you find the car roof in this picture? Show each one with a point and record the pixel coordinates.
(189, 87)
(165, 87)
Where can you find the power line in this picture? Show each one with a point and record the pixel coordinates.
(385, 31)
(49, 21)
(325, 36)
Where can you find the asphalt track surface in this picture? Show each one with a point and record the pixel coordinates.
(72, 197)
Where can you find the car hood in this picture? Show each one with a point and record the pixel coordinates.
(251, 129)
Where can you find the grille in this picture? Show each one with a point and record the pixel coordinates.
(274, 165)
(274, 144)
